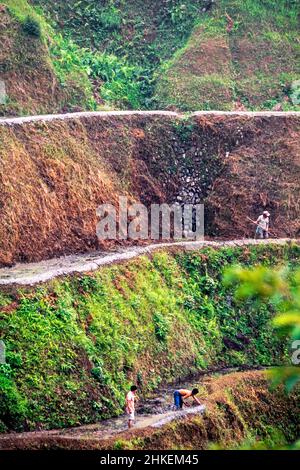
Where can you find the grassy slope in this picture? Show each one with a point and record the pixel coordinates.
(75, 344)
(256, 62)
(123, 57)
(38, 77)
(134, 42)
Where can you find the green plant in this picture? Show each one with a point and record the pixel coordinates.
(161, 326)
(13, 407)
(75, 344)
(32, 27)
(282, 289)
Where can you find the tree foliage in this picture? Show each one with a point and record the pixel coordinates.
(281, 288)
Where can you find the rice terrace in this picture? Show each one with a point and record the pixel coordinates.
(149, 229)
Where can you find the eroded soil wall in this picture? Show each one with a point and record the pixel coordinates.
(55, 172)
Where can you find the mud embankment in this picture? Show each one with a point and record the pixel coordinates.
(235, 406)
(56, 170)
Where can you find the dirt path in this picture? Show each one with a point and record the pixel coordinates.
(33, 273)
(104, 114)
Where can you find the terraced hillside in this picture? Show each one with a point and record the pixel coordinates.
(75, 343)
(36, 76)
(54, 173)
(86, 78)
(245, 55)
(193, 55)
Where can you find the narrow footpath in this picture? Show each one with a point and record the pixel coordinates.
(34, 273)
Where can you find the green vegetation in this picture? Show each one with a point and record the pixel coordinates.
(32, 27)
(242, 412)
(37, 80)
(282, 288)
(115, 54)
(118, 44)
(75, 344)
(255, 62)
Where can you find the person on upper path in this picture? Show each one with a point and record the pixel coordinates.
(182, 394)
(262, 229)
(130, 405)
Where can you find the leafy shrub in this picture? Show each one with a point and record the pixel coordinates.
(110, 18)
(122, 84)
(88, 283)
(161, 326)
(32, 27)
(208, 285)
(12, 406)
(282, 288)
(97, 373)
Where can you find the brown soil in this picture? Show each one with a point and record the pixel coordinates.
(55, 173)
(255, 62)
(206, 56)
(256, 175)
(237, 404)
(264, 69)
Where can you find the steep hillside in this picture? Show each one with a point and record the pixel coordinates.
(238, 417)
(246, 54)
(36, 80)
(203, 54)
(227, 423)
(76, 343)
(196, 55)
(54, 173)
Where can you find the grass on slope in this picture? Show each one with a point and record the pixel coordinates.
(153, 61)
(125, 41)
(242, 413)
(114, 53)
(37, 80)
(255, 63)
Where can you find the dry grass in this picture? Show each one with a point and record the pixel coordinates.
(53, 175)
(262, 171)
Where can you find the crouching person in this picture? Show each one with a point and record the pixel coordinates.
(181, 395)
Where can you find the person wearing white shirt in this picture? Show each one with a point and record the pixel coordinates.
(262, 229)
(130, 405)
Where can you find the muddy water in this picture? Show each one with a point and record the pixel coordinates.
(154, 411)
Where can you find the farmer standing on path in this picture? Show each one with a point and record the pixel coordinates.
(182, 394)
(130, 405)
(262, 229)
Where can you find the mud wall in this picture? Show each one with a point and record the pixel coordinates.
(55, 171)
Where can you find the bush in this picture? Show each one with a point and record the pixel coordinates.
(32, 27)
(161, 326)
(12, 405)
(110, 18)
